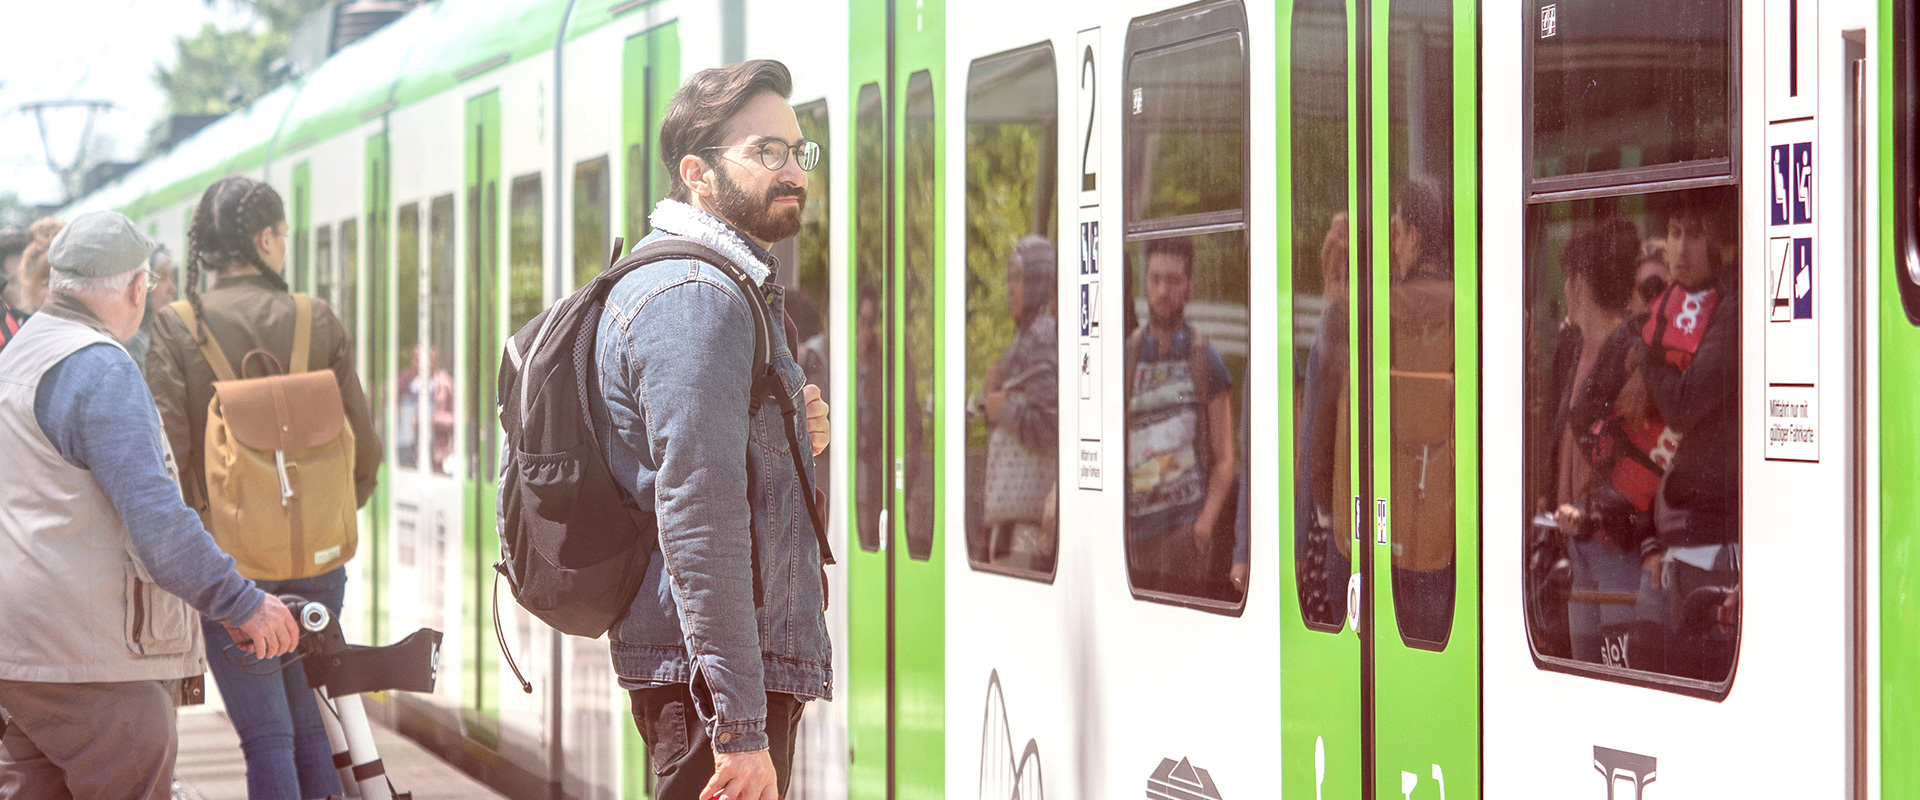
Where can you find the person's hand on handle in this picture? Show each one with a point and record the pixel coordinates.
(819, 429)
(270, 632)
(742, 776)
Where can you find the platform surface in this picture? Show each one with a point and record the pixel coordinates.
(210, 766)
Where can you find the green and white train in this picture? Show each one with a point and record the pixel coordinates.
(1407, 620)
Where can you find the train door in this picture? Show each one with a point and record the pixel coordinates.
(650, 70)
(1382, 117)
(896, 583)
(479, 350)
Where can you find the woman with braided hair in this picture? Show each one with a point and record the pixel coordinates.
(239, 235)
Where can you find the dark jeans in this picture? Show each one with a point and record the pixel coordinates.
(681, 750)
(277, 716)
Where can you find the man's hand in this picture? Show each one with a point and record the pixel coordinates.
(819, 429)
(742, 776)
(270, 632)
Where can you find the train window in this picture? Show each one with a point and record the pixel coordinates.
(324, 279)
(406, 280)
(1013, 358)
(526, 296)
(917, 319)
(1420, 303)
(592, 225)
(348, 307)
(1322, 399)
(437, 390)
(870, 484)
(807, 274)
(1632, 446)
(1185, 145)
(1624, 90)
(1906, 156)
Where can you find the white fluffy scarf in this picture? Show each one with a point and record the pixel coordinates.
(679, 218)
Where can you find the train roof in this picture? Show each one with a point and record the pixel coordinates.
(418, 56)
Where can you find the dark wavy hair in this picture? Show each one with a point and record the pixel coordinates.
(231, 213)
(698, 116)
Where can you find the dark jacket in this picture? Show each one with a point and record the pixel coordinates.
(243, 314)
(1701, 402)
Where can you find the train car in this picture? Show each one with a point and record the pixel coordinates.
(1411, 398)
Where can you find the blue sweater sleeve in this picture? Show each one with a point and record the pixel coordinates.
(96, 409)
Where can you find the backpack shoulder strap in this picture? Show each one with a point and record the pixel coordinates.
(1198, 350)
(209, 347)
(302, 333)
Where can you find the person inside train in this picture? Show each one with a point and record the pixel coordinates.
(1421, 376)
(719, 661)
(1323, 509)
(1650, 278)
(1691, 369)
(103, 566)
(239, 233)
(1021, 409)
(1609, 438)
(869, 416)
(1181, 465)
(162, 293)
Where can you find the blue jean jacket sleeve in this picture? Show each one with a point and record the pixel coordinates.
(690, 354)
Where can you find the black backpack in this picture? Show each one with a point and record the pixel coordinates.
(574, 546)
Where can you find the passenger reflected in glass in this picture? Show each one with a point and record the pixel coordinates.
(869, 417)
(1019, 403)
(1421, 381)
(1181, 465)
(1323, 507)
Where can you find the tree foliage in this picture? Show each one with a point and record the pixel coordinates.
(218, 70)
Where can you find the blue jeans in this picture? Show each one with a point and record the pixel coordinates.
(276, 715)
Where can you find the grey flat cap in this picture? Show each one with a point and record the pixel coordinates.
(98, 244)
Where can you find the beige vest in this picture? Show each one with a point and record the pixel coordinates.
(76, 605)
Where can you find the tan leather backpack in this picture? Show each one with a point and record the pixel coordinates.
(279, 461)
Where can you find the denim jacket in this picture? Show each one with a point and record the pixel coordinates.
(675, 357)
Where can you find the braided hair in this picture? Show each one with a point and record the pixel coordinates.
(231, 214)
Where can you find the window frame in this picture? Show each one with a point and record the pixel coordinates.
(1186, 25)
(1060, 476)
(1631, 180)
(1905, 55)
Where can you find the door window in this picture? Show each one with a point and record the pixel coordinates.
(526, 296)
(406, 279)
(919, 319)
(1322, 331)
(436, 375)
(592, 228)
(871, 482)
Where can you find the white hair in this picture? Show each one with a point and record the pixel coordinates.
(83, 286)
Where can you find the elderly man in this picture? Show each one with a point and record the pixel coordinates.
(102, 565)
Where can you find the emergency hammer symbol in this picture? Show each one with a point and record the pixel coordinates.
(1614, 765)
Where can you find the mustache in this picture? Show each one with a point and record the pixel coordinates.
(780, 190)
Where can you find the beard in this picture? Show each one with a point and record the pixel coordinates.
(756, 217)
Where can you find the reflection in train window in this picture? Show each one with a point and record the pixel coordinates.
(1420, 305)
(805, 270)
(1185, 299)
(917, 319)
(406, 280)
(348, 307)
(870, 484)
(1013, 358)
(1322, 398)
(323, 275)
(1631, 84)
(525, 295)
(1633, 437)
(436, 386)
(592, 229)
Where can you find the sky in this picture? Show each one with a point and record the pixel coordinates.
(92, 50)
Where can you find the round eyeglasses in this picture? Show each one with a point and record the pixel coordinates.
(774, 153)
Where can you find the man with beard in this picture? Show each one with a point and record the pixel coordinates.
(717, 689)
(1180, 460)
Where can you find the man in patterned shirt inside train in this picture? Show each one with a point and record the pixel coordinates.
(727, 638)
